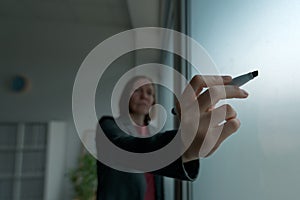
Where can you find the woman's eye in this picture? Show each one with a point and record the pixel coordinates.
(137, 90)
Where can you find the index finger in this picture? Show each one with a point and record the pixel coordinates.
(199, 82)
(213, 95)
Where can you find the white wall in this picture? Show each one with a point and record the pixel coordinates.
(262, 160)
(49, 54)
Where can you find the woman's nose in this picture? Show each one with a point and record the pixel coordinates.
(144, 94)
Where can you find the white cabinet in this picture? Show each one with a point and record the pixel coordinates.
(31, 160)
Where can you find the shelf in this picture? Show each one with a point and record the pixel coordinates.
(11, 148)
(31, 160)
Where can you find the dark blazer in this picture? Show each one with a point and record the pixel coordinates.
(118, 185)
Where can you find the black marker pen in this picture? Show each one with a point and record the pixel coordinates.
(239, 81)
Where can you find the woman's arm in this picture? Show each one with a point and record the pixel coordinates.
(177, 169)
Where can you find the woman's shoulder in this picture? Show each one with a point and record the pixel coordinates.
(106, 118)
(107, 122)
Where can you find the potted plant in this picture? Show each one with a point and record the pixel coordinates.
(84, 177)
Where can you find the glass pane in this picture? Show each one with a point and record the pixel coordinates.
(8, 134)
(33, 161)
(35, 135)
(261, 161)
(32, 189)
(6, 189)
(7, 162)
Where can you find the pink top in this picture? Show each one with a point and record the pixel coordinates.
(150, 190)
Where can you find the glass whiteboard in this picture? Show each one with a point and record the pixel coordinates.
(261, 161)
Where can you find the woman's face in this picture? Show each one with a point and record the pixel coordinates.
(142, 97)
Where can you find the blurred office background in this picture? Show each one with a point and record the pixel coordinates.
(43, 44)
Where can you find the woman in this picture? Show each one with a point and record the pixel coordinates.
(114, 184)
(140, 93)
